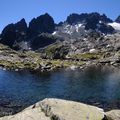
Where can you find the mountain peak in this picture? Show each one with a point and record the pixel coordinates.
(43, 23)
(75, 18)
(118, 19)
(21, 25)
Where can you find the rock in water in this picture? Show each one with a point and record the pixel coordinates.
(56, 109)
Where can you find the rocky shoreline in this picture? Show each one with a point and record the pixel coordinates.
(32, 61)
(47, 65)
(56, 109)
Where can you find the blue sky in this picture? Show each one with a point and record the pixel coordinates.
(12, 11)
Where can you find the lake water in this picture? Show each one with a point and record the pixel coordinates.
(95, 86)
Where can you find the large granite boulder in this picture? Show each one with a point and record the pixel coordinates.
(28, 114)
(113, 115)
(56, 109)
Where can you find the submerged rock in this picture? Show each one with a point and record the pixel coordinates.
(56, 109)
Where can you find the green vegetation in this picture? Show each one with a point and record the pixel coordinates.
(56, 51)
(87, 56)
(66, 63)
(55, 58)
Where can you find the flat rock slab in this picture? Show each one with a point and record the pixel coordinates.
(56, 109)
(113, 115)
(28, 114)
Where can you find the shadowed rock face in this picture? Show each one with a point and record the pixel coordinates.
(14, 32)
(42, 24)
(96, 22)
(42, 40)
(93, 21)
(107, 29)
(56, 109)
(8, 35)
(21, 26)
(118, 19)
(74, 18)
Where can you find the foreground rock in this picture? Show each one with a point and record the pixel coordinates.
(55, 109)
(113, 115)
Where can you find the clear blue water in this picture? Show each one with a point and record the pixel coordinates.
(95, 86)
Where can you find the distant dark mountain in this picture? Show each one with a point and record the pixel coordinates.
(42, 24)
(75, 18)
(84, 17)
(14, 32)
(42, 40)
(43, 31)
(91, 21)
(8, 35)
(118, 19)
(21, 26)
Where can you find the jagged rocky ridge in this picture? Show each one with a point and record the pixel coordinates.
(19, 36)
(80, 33)
(90, 39)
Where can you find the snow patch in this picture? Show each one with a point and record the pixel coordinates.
(69, 29)
(115, 25)
(93, 50)
(77, 27)
(54, 33)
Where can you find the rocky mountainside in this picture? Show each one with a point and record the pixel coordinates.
(81, 32)
(118, 19)
(20, 36)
